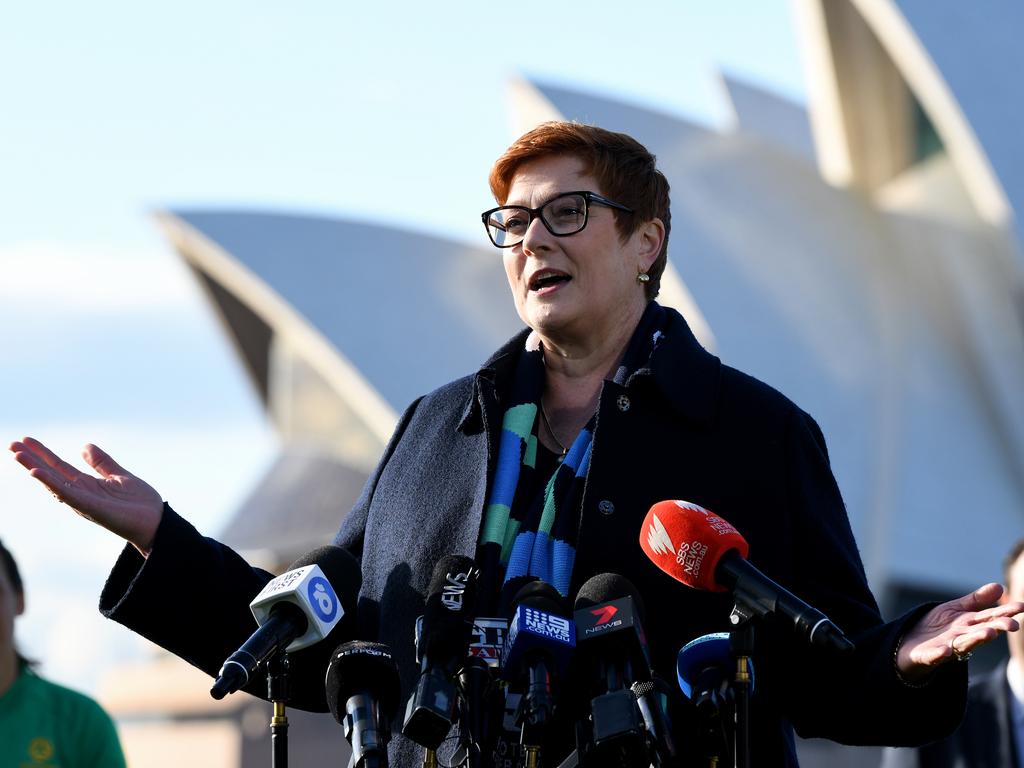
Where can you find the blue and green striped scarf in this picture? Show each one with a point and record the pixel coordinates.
(528, 534)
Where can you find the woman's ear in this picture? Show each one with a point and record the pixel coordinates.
(651, 237)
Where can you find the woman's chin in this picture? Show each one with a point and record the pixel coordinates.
(546, 315)
(558, 326)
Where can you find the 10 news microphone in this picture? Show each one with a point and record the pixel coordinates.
(588, 668)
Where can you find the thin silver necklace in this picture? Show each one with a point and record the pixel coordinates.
(551, 432)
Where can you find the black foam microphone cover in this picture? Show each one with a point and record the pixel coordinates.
(443, 646)
(362, 667)
(340, 569)
(542, 596)
(611, 647)
(609, 622)
(606, 587)
(448, 613)
(362, 690)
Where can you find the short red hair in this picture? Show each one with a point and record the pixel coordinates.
(623, 167)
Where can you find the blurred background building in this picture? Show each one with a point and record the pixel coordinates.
(862, 255)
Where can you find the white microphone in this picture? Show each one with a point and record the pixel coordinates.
(309, 590)
(293, 611)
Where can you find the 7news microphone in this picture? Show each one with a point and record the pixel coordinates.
(362, 693)
(293, 611)
(444, 642)
(704, 551)
(611, 646)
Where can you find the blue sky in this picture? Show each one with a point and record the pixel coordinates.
(114, 109)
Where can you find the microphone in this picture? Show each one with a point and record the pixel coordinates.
(541, 642)
(654, 697)
(704, 551)
(294, 610)
(481, 702)
(362, 692)
(447, 626)
(610, 641)
(704, 668)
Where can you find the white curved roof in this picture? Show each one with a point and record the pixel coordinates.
(976, 52)
(960, 61)
(383, 312)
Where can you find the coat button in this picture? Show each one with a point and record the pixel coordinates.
(623, 403)
(605, 507)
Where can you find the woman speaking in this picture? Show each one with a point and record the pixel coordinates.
(543, 463)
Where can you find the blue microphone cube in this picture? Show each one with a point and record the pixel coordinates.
(535, 630)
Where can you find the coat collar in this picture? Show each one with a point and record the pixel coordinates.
(685, 373)
(497, 369)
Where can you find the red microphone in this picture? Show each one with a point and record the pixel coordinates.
(704, 551)
(687, 542)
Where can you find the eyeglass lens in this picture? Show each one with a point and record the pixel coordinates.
(564, 215)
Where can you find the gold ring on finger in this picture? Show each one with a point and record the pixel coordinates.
(957, 654)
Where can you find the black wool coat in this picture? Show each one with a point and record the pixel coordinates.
(684, 427)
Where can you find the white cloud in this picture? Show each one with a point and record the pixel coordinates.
(70, 277)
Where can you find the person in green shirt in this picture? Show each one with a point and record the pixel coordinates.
(44, 725)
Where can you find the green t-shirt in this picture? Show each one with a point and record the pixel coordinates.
(44, 725)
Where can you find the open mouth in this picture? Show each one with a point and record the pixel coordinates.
(547, 279)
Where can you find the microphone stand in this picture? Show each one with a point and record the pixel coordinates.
(474, 682)
(278, 691)
(711, 706)
(741, 643)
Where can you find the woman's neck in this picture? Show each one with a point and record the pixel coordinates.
(575, 370)
(576, 366)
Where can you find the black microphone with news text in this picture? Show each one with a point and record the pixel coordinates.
(612, 653)
(362, 692)
(704, 551)
(443, 646)
(293, 611)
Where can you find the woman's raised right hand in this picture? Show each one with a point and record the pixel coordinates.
(117, 499)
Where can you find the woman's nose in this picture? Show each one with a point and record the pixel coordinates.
(537, 235)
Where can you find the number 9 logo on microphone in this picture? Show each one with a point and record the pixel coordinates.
(322, 598)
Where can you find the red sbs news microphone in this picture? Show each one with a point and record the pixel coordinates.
(687, 542)
(704, 551)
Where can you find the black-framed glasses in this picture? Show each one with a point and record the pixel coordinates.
(563, 215)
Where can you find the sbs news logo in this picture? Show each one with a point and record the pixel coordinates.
(658, 539)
